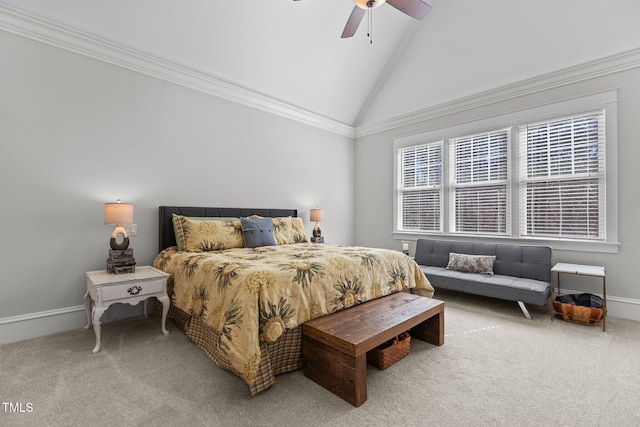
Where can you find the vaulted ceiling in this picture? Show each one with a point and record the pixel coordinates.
(291, 51)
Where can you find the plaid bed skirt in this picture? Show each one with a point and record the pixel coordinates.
(283, 355)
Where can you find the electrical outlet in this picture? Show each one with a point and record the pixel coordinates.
(131, 229)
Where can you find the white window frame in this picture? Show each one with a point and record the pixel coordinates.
(606, 101)
(435, 188)
(564, 141)
(453, 183)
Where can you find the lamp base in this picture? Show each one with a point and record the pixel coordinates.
(119, 246)
(317, 234)
(119, 231)
(121, 261)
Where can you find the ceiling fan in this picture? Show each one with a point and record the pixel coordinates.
(415, 8)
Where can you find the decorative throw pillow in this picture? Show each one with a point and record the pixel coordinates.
(257, 232)
(208, 234)
(287, 230)
(179, 232)
(471, 263)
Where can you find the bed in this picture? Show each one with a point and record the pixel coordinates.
(244, 306)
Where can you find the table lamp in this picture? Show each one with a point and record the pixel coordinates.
(317, 215)
(121, 258)
(118, 214)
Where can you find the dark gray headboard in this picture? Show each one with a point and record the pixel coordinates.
(167, 237)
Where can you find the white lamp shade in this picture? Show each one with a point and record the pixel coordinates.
(316, 215)
(118, 213)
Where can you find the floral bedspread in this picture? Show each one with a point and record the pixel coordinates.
(248, 295)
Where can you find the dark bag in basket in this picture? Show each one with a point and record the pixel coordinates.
(580, 308)
(584, 300)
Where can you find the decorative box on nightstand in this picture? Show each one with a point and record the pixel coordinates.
(104, 289)
(121, 261)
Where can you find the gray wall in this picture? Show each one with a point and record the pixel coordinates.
(374, 182)
(76, 133)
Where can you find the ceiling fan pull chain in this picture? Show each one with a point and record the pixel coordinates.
(370, 25)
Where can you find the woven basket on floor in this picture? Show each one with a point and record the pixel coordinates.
(584, 315)
(389, 353)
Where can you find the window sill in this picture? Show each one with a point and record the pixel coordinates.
(560, 245)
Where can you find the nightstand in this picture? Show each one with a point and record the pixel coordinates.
(104, 289)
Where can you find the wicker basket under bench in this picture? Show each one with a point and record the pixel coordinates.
(390, 352)
(335, 347)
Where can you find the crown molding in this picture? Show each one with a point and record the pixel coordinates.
(38, 29)
(586, 71)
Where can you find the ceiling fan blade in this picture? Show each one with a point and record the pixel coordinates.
(414, 8)
(353, 23)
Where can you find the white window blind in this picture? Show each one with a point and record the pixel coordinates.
(562, 175)
(420, 187)
(479, 177)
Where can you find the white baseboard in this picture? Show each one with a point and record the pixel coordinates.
(33, 325)
(27, 326)
(624, 308)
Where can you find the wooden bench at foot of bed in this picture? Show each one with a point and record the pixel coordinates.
(334, 347)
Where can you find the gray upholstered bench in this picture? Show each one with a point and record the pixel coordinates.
(521, 273)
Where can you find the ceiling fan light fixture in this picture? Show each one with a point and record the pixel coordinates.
(369, 4)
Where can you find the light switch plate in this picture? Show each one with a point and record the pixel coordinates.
(131, 229)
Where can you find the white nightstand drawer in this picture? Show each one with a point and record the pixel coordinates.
(133, 289)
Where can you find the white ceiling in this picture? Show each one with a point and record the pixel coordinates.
(472, 46)
(292, 51)
(289, 51)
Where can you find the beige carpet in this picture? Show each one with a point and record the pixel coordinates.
(496, 368)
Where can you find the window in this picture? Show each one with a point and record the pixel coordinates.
(420, 191)
(545, 174)
(479, 178)
(562, 170)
